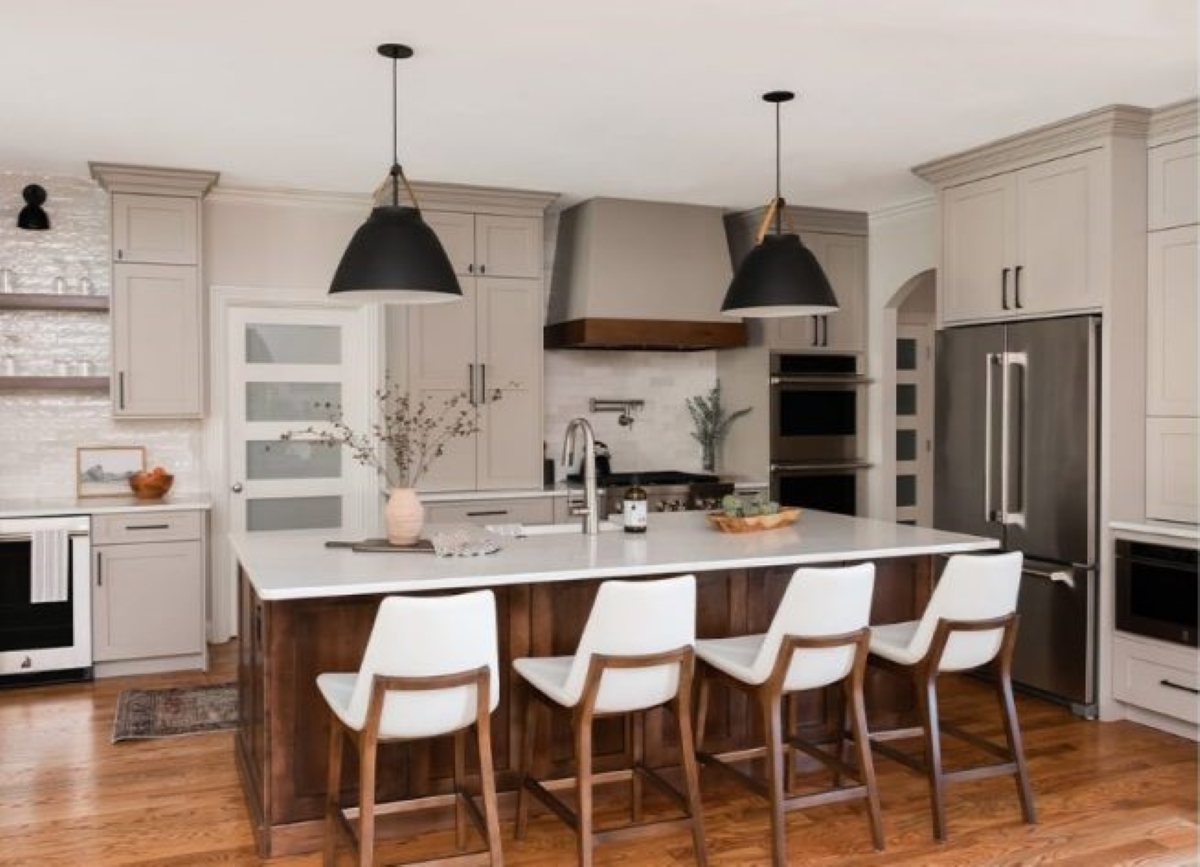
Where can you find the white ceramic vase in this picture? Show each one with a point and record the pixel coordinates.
(404, 516)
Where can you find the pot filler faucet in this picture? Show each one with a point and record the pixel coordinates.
(591, 514)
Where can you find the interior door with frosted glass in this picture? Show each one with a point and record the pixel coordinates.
(290, 370)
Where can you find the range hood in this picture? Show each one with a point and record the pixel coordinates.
(640, 275)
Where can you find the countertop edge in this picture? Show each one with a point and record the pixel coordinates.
(1164, 531)
(183, 502)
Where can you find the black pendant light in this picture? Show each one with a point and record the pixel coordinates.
(780, 276)
(395, 257)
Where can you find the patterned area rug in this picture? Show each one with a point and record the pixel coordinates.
(167, 713)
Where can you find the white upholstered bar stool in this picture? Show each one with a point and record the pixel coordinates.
(817, 638)
(636, 653)
(430, 669)
(970, 620)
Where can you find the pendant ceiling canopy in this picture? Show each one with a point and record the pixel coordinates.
(395, 257)
(780, 276)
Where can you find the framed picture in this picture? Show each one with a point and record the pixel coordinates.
(104, 471)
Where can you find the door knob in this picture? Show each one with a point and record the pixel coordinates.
(236, 487)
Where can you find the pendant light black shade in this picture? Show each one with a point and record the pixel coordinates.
(780, 276)
(395, 257)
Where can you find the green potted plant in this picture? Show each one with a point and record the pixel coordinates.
(710, 424)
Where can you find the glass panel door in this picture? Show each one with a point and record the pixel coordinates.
(294, 370)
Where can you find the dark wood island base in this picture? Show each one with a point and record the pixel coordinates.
(282, 739)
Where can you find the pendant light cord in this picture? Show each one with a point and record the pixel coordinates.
(395, 137)
(778, 197)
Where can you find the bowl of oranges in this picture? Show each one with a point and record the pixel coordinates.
(151, 484)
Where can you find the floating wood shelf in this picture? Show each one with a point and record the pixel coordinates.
(54, 383)
(46, 301)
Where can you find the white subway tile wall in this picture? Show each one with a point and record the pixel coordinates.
(660, 437)
(40, 430)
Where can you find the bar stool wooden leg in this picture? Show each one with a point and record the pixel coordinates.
(333, 793)
(691, 775)
(636, 731)
(527, 755)
(1012, 733)
(866, 766)
(583, 787)
(460, 790)
(366, 802)
(702, 710)
(487, 785)
(771, 719)
(926, 683)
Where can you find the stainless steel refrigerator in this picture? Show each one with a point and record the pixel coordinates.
(1016, 422)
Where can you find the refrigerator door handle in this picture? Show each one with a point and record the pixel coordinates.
(991, 359)
(1062, 576)
(1012, 454)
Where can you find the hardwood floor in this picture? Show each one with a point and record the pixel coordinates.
(1107, 793)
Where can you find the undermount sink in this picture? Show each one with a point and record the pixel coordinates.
(562, 529)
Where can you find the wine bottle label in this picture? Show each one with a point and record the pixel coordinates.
(635, 514)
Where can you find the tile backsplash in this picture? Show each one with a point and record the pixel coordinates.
(660, 437)
(39, 430)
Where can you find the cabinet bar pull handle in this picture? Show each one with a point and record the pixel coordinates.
(471, 383)
(483, 269)
(121, 389)
(471, 268)
(825, 330)
(1017, 287)
(816, 330)
(483, 398)
(487, 513)
(99, 569)
(1004, 288)
(1179, 686)
(147, 526)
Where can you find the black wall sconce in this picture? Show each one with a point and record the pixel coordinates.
(32, 216)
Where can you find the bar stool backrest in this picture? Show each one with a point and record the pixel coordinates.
(818, 602)
(636, 618)
(972, 587)
(422, 636)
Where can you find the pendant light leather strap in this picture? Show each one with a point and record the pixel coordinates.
(776, 207)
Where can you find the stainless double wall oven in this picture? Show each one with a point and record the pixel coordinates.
(817, 411)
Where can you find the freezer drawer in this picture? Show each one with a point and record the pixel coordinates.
(1055, 653)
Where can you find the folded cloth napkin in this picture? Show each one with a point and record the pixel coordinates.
(49, 566)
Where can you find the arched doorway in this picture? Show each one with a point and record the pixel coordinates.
(910, 371)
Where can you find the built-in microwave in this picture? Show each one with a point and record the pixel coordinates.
(1157, 591)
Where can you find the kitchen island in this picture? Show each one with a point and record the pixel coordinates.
(306, 608)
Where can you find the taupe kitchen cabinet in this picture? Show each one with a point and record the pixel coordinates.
(156, 334)
(1173, 176)
(838, 240)
(510, 510)
(148, 591)
(1171, 322)
(157, 319)
(157, 230)
(491, 245)
(487, 350)
(1024, 243)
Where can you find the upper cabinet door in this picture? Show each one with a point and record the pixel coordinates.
(157, 356)
(977, 248)
(1059, 249)
(159, 230)
(1171, 322)
(457, 234)
(1172, 184)
(508, 246)
(844, 259)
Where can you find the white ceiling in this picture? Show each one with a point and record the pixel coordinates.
(655, 99)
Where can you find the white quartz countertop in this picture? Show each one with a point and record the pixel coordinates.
(47, 508)
(294, 565)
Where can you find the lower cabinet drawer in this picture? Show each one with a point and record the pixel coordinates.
(1156, 679)
(527, 510)
(146, 526)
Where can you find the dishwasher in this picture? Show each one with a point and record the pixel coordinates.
(45, 600)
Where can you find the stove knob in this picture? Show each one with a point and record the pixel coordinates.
(660, 506)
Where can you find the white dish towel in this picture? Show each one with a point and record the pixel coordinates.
(48, 583)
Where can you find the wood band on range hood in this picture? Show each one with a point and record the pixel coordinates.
(661, 334)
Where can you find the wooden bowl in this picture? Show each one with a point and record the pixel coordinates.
(753, 523)
(148, 487)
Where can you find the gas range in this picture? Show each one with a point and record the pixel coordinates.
(666, 490)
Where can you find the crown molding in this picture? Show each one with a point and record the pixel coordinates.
(1082, 132)
(806, 219)
(285, 197)
(123, 178)
(903, 209)
(1176, 121)
(465, 197)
